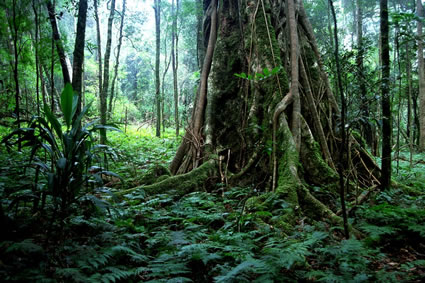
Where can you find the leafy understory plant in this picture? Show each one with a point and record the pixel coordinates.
(62, 157)
(261, 75)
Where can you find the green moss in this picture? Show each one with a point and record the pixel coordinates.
(358, 137)
(269, 86)
(162, 178)
(153, 173)
(317, 171)
(180, 185)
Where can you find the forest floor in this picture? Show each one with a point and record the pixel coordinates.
(204, 236)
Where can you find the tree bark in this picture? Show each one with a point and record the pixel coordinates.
(58, 42)
(409, 131)
(193, 141)
(174, 54)
(15, 29)
(343, 148)
(99, 45)
(157, 9)
(385, 97)
(77, 70)
(105, 87)
(364, 106)
(198, 117)
(421, 70)
(36, 43)
(296, 109)
(117, 59)
(245, 120)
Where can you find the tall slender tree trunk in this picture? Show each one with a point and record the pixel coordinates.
(343, 148)
(421, 70)
(364, 107)
(52, 73)
(77, 70)
(99, 46)
(157, 79)
(43, 86)
(296, 110)
(104, 93)
(174, 55)
(400, 99)
(166, 67)
(37, 74)
(189, 155)
(200, 47)
(117, 59)
(15, 29)
(409, 104)
(58, 42)
(385, 97)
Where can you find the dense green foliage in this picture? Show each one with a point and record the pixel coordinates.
(64, 214)
(205, 236)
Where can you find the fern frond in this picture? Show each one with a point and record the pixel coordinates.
(26, 247)
(241, 273)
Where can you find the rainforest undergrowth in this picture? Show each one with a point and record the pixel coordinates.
(206, 236)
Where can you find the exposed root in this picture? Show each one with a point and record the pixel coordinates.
(317, 210)
(180, 185)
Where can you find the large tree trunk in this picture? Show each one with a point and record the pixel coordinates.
(243, 123)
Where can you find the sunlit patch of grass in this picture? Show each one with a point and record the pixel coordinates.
(138, 149)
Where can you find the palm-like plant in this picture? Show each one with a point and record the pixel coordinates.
(69, 152)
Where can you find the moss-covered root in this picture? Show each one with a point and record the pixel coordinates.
(317, 171)
(153, 174)
(315, 209)
(180, 184)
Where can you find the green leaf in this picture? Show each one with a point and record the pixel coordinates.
(53, 121)
(67, 104)
(275, 70)
(259, 76)
(77, 122)
(61, 163)
(106, 127)
(241, 75)
(26, 246)
(266, 71)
